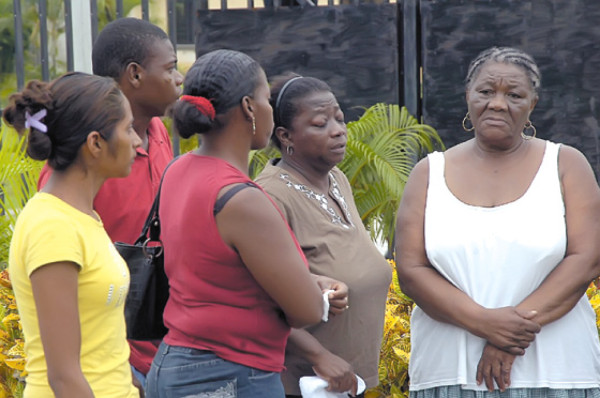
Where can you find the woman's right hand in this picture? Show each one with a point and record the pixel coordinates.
(494, 365)
(508, 328)
(337, 372)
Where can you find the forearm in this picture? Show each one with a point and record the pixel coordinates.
(507, 328)
(440, 299)
(304, 345)
(562, 289)
(338, 373)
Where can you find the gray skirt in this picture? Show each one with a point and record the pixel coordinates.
(543, 392)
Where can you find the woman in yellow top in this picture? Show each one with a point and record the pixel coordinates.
(70, 282)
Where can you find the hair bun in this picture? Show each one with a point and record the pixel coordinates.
(35, 97)
(39, 146)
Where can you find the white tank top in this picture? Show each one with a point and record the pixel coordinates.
(498, 256)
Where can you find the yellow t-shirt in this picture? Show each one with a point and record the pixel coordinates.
(49, 230)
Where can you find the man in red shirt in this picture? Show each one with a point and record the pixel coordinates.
(141, 58)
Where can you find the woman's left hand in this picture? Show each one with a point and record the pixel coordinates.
(337, 372)
(338, 299)
(494, 365)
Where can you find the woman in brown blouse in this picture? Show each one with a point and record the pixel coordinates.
(317, 201)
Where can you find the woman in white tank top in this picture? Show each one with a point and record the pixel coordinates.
(497, 241)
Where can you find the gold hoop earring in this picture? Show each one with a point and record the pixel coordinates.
(289, 150)
(464, 123)
(253, 126)
(528, 125)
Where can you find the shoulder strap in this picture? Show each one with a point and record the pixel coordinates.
(152, 221)
(220, 202)
(436, 164)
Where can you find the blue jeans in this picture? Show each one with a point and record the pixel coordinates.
(181, 372)
(140, 376)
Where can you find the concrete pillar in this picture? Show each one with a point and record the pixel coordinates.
(82, 36)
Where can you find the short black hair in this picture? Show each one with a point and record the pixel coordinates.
(223, 77)
(121, 42)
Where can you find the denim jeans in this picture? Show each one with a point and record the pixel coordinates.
(181, 372)
(140, 376)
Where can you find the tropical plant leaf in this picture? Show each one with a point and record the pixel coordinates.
(258, 159)
(383, 147)
(18, 180)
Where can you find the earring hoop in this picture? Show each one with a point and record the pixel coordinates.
(465, 121)
(289, 150)
(253, 126)
(528, 125)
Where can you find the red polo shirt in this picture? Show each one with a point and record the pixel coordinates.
(124, 203)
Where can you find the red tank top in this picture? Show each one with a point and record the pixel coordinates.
(215, 303)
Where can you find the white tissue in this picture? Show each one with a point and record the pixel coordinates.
(325, 316)
(316, 387)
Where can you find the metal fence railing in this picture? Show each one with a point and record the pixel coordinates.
(71, 28)
(76, 42)
(180, 23)
(78, 36)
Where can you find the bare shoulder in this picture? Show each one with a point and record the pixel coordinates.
(421, 170)
(577, 177)
(248, 215)
(415, 190)
(573, 162)
(570, 155)
(249, 200)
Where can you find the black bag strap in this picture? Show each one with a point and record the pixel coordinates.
(220, 202)
(152, 223)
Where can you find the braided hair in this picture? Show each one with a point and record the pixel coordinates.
(223, 77)
(507, 55)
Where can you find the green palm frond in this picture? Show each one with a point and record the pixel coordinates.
(383, 147)
(258, 159)
(18, 181)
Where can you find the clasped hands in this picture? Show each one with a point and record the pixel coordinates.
(508, 331)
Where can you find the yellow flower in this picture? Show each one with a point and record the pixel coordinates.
(12, 317)
(395, 347)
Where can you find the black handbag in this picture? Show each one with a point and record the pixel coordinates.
(149, 287)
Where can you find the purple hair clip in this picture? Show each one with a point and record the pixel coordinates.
(35, 121)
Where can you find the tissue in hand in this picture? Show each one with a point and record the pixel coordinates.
(316, 387)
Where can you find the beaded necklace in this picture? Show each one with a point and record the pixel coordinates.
(322, 199)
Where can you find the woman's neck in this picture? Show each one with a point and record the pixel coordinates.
(493, 148)
(76, 187)
(316, 179)
(235, 156)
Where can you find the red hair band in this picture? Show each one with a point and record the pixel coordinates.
(202, 104)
